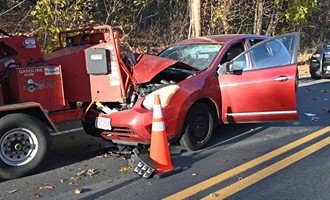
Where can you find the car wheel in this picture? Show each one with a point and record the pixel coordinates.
(24, 142)
(198, 127)
(315, 74)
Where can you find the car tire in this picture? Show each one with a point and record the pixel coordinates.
(198, 127)
(24, 142)
(315, 74)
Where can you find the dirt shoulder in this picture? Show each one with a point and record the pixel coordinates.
(303, 65)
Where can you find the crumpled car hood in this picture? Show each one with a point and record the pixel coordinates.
(149, 66)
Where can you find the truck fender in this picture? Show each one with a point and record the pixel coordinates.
(29, 108)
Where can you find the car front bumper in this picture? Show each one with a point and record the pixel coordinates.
(133, 127)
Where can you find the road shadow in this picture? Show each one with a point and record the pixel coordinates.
(70, 148)
(75, 147)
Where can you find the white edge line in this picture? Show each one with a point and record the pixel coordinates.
(67, 131)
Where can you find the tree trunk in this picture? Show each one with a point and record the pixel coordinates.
(257, 26)
(225, 17)
(195, 18)
(274, 19)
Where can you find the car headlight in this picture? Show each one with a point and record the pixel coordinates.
(165, 95)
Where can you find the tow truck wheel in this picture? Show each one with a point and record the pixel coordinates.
(198, 127)
(23, 145)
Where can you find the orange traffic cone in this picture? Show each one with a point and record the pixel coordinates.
(159, 150)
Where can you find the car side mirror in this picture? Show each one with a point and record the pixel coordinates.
(222, 69)
(235, 67)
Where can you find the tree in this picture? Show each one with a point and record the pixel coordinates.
(259, 12)
(53, 16)
(195, 17)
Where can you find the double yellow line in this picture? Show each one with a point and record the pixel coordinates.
(248, 181)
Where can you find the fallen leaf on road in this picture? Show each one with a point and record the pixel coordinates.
(194, 174)
(213, 195)
(46, 187)
(90, 172)
(109, 155)
(62, 180)
(34, 196)
(125, 169)
(77, 190)
(122, 158)
(81, 173)
(12, 191)
(122, 154)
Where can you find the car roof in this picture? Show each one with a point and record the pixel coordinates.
(218, 38)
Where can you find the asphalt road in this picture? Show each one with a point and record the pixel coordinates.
(247, 161)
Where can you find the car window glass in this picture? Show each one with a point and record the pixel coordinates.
(326, 45)
(232, 52)
(199, 56)
(254, 41)
(241, 62)
(270, 53)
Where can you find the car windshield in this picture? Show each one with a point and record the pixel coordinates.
(326, 45)
(199, 56)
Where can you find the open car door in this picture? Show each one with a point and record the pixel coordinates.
(260, 84)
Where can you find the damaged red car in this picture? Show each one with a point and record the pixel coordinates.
(203, 82)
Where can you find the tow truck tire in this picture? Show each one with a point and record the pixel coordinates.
(198, 127)
(24, 142)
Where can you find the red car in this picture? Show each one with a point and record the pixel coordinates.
(203, 82)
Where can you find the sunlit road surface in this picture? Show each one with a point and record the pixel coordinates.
(253, 178)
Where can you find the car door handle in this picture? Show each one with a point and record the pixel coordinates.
(282, 78)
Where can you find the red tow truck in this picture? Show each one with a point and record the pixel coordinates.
(38, 91)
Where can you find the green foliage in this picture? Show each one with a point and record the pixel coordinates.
(299, 10)
(53, 16)
(296, 10)
(164, 21)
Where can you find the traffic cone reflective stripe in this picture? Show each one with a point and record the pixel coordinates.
(158, 126)
(159, 150)
(157, 112)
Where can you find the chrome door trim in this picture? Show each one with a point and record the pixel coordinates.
(288, 112)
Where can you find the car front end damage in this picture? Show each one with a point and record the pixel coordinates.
(130, 123)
